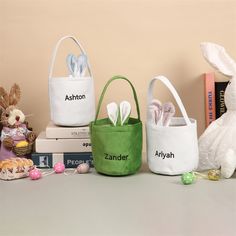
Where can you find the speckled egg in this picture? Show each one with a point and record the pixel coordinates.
(35, 174)
(188, 178)
(214, 175)
(83, 168)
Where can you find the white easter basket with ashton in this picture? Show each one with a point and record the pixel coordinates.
(217, 145)
(172, 149)
(72, 99)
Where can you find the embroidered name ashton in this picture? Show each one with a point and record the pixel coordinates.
(165, 155)
(74, 97)
(116, 158)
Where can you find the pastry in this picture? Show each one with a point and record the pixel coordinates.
(15, 168)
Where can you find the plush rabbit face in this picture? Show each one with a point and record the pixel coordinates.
(218, 58)
(11, 116)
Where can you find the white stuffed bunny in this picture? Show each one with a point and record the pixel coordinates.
(217, 145)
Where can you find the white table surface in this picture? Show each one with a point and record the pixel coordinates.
(93, 204)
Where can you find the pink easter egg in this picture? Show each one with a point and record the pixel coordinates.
(83, 168)
(59, 167)
(35, 174)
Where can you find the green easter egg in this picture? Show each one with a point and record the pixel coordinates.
(188, 178)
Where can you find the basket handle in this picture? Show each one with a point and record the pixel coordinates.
(54, 54)
(104, 91)
(168, 84)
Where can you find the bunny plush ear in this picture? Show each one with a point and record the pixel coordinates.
(219, 58)
(4, 98)
(14, 95)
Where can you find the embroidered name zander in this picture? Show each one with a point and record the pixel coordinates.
(74, 97)
(165, 155)
(116, 158)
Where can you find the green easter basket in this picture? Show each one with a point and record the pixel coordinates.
(117, 150)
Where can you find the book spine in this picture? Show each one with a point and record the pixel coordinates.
(210, 106)
(43, 145)
(219, 98)
(71, 160)
(43, 160)
(67, 133)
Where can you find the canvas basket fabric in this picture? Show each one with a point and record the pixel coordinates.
(171, 150)
(117, 150)
(72, 99)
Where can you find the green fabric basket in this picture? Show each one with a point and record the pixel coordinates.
(117, 150)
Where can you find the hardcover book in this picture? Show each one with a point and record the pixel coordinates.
(210, 106)
(53, 131)
(45, 145)
(219, 96)
(71, 160)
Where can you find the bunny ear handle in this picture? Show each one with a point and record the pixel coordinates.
(69, 64)
(125, 110)
(113, 112)
(82, 64)
(219, 58)
(4, 98)
(14, 95)
(156, 108)
(168, 113)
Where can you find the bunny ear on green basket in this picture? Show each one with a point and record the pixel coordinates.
(113, 112)
(119, 115)
(125, 110)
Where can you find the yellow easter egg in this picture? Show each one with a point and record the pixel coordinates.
(214, 175)
(22, 144)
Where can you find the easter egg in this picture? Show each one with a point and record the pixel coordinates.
(35, 174)
(22, 144)
(83, 168)
(213, 175)
(59, 167)
(188, 178)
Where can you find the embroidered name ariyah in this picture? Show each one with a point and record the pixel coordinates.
(74, 97)
(116, 158)
(165, 155)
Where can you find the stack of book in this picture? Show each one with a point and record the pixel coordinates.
(214, 98)
(70, 145)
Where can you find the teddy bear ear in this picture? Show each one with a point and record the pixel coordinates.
(14, 95)
(4, 98)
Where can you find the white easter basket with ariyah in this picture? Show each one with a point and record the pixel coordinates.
(72, 99)
(173, 149)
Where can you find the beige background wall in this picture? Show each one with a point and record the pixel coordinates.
(135, 38)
